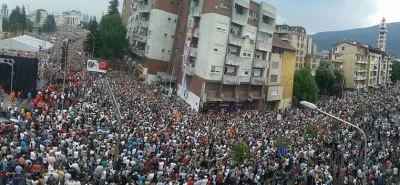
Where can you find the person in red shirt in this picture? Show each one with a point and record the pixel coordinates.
(36, 168)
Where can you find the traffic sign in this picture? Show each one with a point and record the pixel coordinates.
(282, 149)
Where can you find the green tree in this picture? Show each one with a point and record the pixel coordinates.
(282, 140)
(395, 71)
(38, 16)
(239, 153)
(339, 82)
(112, 37)
(49, 25)
(304, 86)
(5, 24)
(93, 32)
(15, 21)
(113, 7)
(311, 131)
(325, 79)
(29, 25)
(324, 63)
(23, 19)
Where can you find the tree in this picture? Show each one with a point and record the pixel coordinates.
(239, 153)
(29, 25)
(49, 25)
(112, 36)
(23, 19)
(395, 71)
(311, 131)
(92, 26)
(304, 86)
(5, 24)
(38, 16)
(113, 7)
(16, 21)
(325, 79)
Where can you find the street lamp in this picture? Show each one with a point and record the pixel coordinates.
(94, 42)
(315, 107)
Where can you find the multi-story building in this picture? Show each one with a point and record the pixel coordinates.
(229, 61)
(309, 45)
(382, 35)
(324, 54)
(363, 65)
(42, 19)
(151, 31)
(72, 18)
(126, 11)
(296, 36)
(4, 10)
(312, 59)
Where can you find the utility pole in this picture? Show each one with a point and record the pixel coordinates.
(119, 118)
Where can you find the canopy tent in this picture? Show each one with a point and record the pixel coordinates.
(24, 43)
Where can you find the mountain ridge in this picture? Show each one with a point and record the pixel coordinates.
(367, 35)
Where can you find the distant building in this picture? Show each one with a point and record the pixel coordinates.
(324, 54)
(312, 59)
(72, 18)
(296, 36)
(85, 18)
(4, 10)
(58, 18)
(382, 35)
(309, 45)
(42, 19)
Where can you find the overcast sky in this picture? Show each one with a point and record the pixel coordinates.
(314, 15)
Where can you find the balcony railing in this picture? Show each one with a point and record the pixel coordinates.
(231, 80)
(244, 3)
(139, 37)
(258, 80)
(236, 40)
(142, 22)
(263, 46)
(337, 60)
(258, 63)
(361, 62)
(282, 31)
(268, 28)
(190, 70)
(141, 7)
(233, 60)
(138, 51)
(240, 19)
(195, 11)
(245, 79)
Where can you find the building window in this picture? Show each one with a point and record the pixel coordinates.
(216, 69)
(249, 34)
(169, 19)
(165, 35)
(252, 15)
(218, 48)
(221, 26)
(230, 70)
(149, 33)
(274, 78)
(275, 65)
(342, 48)
(163, 50)
(257, 72)
(246, 53)
(245, 72)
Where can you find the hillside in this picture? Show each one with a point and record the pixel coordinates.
(369, 35)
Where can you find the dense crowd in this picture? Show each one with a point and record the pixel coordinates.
(70, 138)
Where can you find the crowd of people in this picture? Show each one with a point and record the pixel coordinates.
(71, 137)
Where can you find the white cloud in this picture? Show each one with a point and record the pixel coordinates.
(385, 8)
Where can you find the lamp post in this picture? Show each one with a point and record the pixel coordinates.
(119, 117)
(315, 107)
(283, 92)
(94, 42)
(9, 62)
(65, 73)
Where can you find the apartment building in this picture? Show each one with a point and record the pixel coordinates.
(312, 59)
(151, 31)
(126, 11)
(228, 55)
(364, 66)
(296, 36)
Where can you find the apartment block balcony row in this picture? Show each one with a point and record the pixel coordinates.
(143, 7)
(263, 46)
(361, 62)
(240, 19)
(195, 11)
(244, 3)
(142, 22)
(359, 77)
(139, 36)
(235, 60)
(341, 60)
(237, 80)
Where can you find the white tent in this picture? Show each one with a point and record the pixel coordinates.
(24, 43)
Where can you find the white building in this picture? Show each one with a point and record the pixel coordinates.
(72, 18)
(230, 55)
(382, 35)
(43, 17)
(58, 18)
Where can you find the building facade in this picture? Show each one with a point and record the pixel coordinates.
(72, 18)
(296, 36)
(229, 61)
(382, 35)
(126, 11)
(312, 59)
(363, 66)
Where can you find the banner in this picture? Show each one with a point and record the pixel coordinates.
(189, 36)
(97, 65)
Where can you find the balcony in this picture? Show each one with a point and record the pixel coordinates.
(141, 7)
(258, 80)
(195, 11)
(139, 37)
(244, 3)
(240, 19)
(259, 63)
(282, 31)
(361, 62)
(193, 52)
(231, 80)
(235, 40)
(233, 60)
(190, 70)
(196, 32)
(263, 46)
(341, 60)
(142, 23)
(138, 51)
(360, 78)
(276, 57)
(267, 28)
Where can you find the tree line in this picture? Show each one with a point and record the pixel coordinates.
(108, 37)
(18, 24)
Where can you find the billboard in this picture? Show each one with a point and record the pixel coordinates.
(97, 65)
